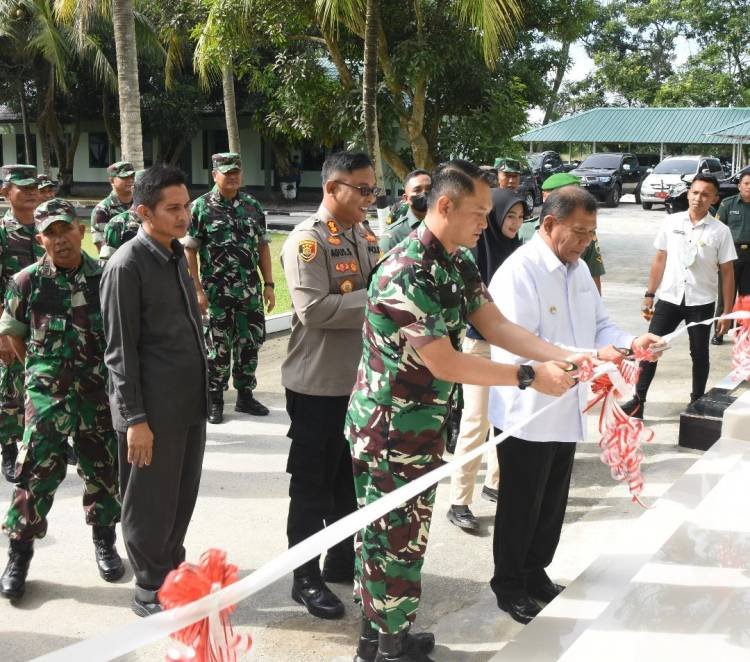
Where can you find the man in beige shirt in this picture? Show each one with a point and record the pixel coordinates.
(327, 260)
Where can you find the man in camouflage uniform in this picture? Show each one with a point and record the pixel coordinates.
(410, 214)
(327, 259)
(508, 173)
(122, 177)
(46, 187)
(18, 249)
(120, 228)
(228, 233)
(592, 256)
(419, 300)
(53, 319)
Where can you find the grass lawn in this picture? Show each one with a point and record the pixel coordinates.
(283, 302)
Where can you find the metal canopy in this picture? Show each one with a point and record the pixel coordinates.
(643, 126)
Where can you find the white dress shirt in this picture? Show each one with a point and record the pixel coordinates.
(560, 304)
(699, 282)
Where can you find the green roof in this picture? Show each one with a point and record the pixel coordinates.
(739, 131)
(641, 125)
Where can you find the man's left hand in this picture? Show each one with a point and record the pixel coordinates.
(646, 342)
(722, 326)
(269, 296)
(611, 354)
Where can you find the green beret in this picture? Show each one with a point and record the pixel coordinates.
(560, 179)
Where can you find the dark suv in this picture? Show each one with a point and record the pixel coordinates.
(609, 175)
(529, 188)
(544, 164)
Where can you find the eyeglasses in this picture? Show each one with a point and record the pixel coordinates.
(364, 191)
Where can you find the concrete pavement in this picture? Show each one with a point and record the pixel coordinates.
(243, 502)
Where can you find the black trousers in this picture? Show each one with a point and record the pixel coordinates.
(321, 487)
(667, 317)
(532, 498)
(158, 502)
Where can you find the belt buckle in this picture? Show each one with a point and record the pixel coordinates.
(743, 247)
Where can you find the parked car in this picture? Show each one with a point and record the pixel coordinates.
(544, 164)
(676, 199)
(530, 188)
(670, 171)
(609, 175)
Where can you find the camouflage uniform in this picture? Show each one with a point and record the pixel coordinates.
(396, 424)
(111, 205)
(58, 314)
(119, 229)
(228, 234)
(399, 227)
(18, 249)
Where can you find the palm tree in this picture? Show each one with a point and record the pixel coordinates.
(81, 13)
(491, 21)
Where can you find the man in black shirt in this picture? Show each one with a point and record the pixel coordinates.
(157, 381)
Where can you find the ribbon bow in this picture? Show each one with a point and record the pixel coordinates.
(211, 639)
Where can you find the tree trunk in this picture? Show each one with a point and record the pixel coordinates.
(25, 122)
(562, 66)
(67, 159)
(123, 21)
(370, 88)
(230, 108)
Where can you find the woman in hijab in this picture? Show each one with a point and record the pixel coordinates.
(497, 242)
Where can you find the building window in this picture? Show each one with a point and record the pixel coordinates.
(148, 151)
(21, 149)
(98, 150)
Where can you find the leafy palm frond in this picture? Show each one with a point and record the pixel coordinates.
(350, 13)
(494, 22)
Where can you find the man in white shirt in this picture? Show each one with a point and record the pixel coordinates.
(692, 247)
(546, 288)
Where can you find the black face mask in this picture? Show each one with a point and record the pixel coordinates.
(418, 202)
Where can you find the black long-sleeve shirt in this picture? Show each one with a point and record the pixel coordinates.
(155, 350)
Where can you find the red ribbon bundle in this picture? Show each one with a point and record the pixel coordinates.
(212, 639)
(621, 435)
(741, 347)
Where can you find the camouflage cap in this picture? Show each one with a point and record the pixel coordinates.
(508, 165)
(19, 174)
(560, 179)
(120, 169)
(51, 211)
(44, 181)
(226, 162)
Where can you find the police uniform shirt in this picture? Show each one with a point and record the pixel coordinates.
(735, 213)
(326, 267)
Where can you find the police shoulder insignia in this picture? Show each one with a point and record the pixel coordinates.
(308, 249)
(336, 241)
(346, 286)
(333, 227)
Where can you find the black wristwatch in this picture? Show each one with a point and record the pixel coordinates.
(526, 376)
(269, 284)
(649, 295)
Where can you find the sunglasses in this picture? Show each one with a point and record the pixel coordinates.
(364, 191)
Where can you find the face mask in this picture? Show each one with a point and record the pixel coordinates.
(418, 202)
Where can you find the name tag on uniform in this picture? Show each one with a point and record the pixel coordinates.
(678, 231)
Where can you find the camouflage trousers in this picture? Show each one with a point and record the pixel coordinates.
(390, 551)
(236, 329)
(43, 463)
(11, 404)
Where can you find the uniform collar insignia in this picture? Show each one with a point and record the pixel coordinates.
(333, 227)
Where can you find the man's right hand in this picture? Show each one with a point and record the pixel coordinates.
(140, 444)
(551, 378)
(647, 308)
(7, 355)
(202, 301)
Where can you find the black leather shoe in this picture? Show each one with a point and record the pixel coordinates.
(107, 559)
(399, 648)
(247, 404)
(144, 608)
(634, 407)
(13, 581)
(215, 408)
(319, 600)
(367, 649)
(489, 494)
(547, 592)
(10, 453)
(463, 518)
(521, 608)
(717, 340)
